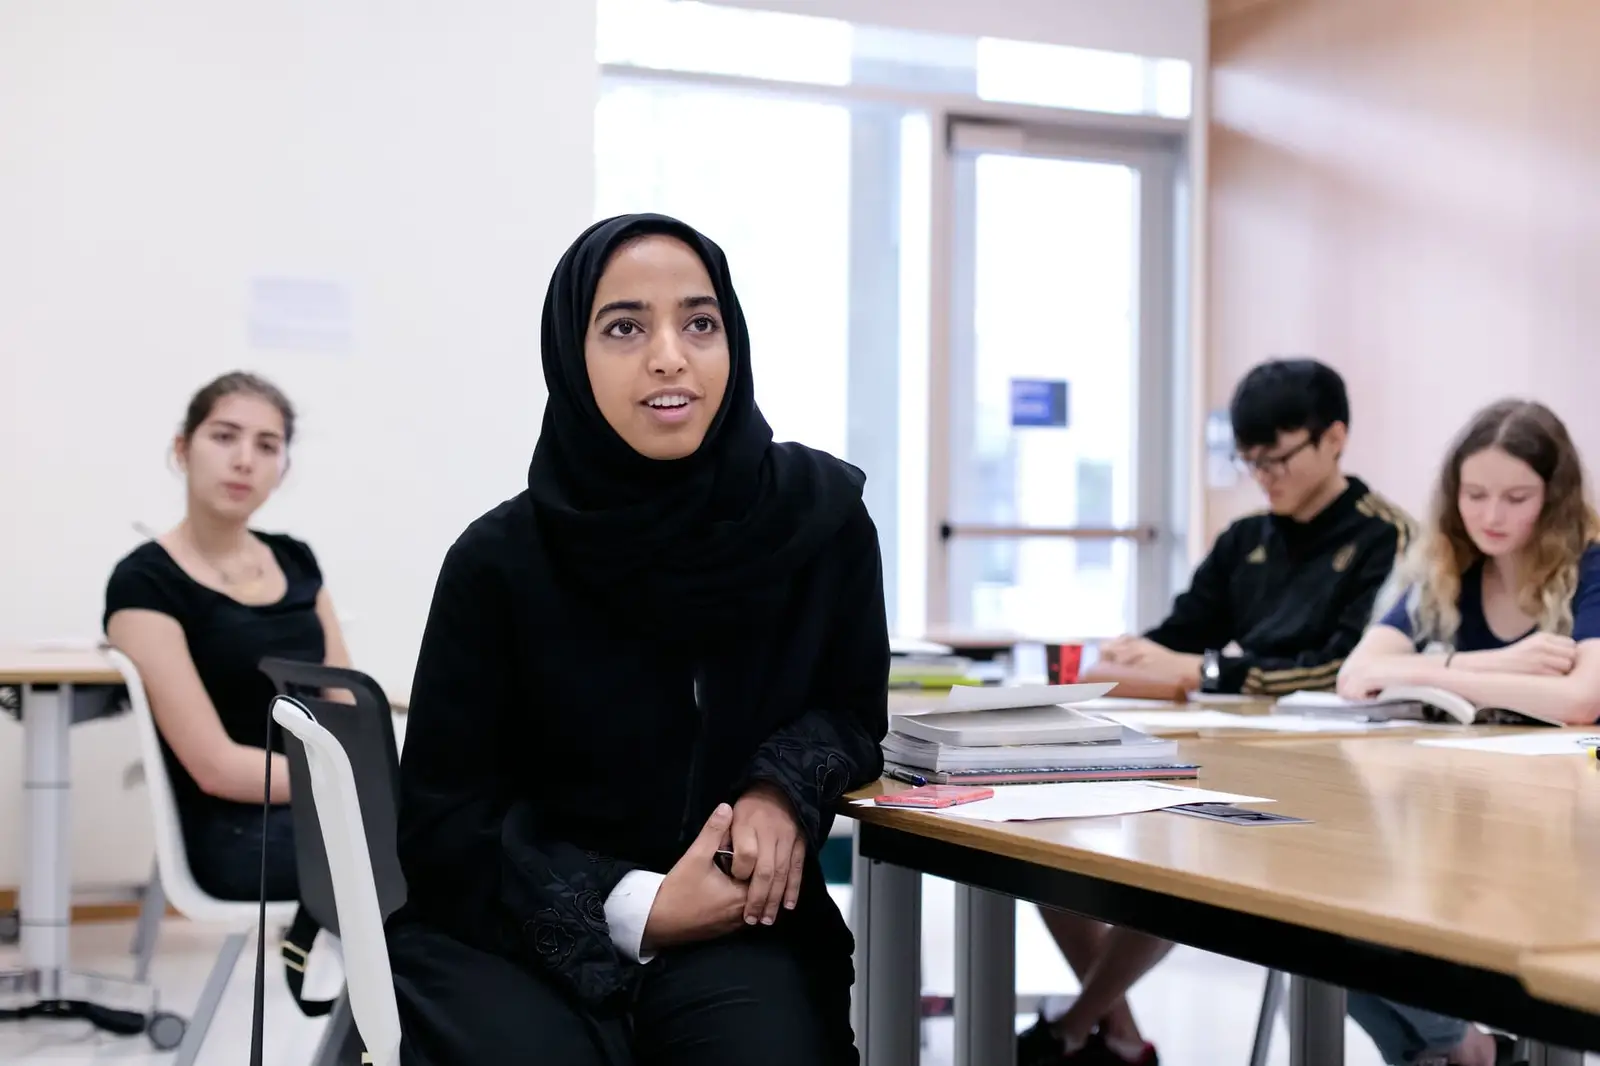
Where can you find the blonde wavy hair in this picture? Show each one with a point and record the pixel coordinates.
(1566, 526)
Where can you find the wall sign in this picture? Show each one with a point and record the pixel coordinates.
(1038, 403)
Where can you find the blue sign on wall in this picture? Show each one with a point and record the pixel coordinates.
(1038, 403)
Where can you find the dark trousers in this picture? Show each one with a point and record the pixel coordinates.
(739, 1001)
(224, 844)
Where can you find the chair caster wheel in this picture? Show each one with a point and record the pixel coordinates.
(166, 1030)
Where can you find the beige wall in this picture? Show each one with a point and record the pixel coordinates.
(1407, 189)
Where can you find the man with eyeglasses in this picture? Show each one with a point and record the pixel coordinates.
(1275, 607)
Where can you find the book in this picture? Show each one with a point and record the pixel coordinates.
(1129, 748)
(930, 671)
(1052, 774)
(1423, 703)
(1008, 717)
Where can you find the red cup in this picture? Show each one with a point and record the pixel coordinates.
(1062, 662)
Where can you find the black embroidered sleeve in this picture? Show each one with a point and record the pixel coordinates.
(553, 897)
(815, 761)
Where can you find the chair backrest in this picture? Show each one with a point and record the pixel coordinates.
(365, 732)
(369, 980)
(172, 860)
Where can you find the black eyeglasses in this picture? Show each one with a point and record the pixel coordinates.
(1271, 465)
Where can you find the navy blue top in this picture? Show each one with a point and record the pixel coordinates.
(1475, 634)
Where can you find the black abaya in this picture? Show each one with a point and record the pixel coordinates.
(572, 721)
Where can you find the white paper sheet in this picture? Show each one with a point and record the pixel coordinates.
(1269, 723)
(1123, 703)
(1081, 799)
(1329, 701)
(1222, 699)
(1544, 742)
(1152, 719)
(1304, 723)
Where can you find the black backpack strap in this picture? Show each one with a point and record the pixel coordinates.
(296, 950)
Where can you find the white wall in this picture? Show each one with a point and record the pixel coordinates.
(432, 159)
(1165, 29)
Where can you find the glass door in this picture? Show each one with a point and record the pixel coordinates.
(1055, 487)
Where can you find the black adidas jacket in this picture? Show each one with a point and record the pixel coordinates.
(1294, 596)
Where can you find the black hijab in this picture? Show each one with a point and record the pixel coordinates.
(686, 547)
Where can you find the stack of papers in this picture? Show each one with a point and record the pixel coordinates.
(1038, 731)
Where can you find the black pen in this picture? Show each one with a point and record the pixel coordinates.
(907, 776)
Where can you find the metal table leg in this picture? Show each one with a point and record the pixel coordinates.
(986, 978)
(1271, 1004)
(886, 906)
(1316, 1023)
(45, 903)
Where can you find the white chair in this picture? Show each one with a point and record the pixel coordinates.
(369, 982)
(175, 884)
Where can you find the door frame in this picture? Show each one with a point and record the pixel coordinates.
(1160, 462)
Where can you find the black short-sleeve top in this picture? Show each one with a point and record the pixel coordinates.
(227, 639)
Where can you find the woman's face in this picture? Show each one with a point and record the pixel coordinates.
(236, 457)
(656, 351)
(1500, 501)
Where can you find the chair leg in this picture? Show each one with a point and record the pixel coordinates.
(194, 1037)
(152, 908)
(340, 1044)
(1271, 1004)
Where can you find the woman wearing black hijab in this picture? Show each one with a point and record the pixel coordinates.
(672, 643)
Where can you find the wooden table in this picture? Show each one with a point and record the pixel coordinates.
(46, 680)
(56, 666)
(1571, 978)
(1429, 875)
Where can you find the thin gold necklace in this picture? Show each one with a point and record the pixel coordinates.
(227, 578)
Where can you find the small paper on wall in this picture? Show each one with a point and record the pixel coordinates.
(299, 314)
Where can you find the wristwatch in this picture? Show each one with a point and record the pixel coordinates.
(1210, 670)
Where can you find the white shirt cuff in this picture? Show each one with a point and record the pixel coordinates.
(628, 909)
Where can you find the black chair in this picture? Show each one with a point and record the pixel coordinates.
(365, 729)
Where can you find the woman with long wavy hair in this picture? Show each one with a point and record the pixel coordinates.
(1499, 601)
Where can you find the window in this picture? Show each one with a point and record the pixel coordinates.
(828, 209)
(1086, 79)
(1096, 497)
(708, 38)
(780, 208)
(700, 38)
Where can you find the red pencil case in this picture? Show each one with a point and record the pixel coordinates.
(936, 796)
